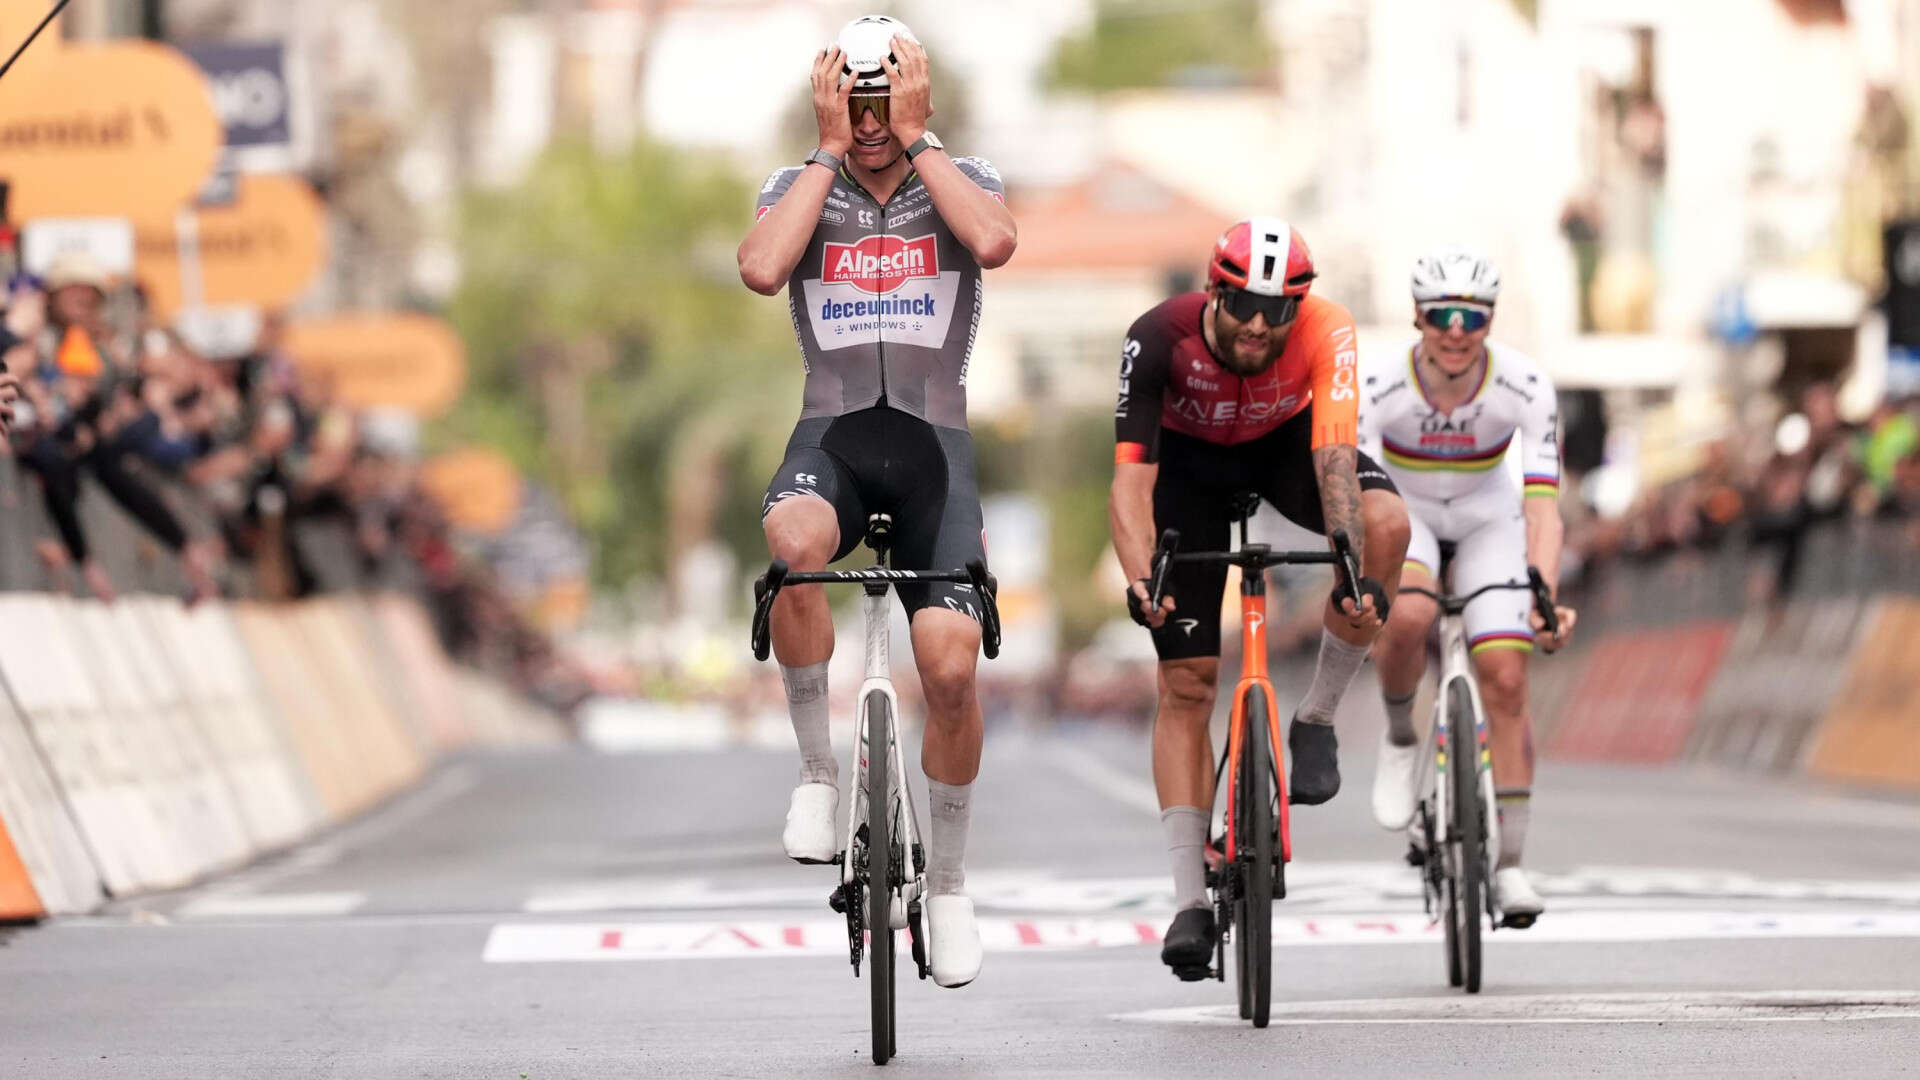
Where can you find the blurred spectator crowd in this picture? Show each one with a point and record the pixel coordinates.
(249, 472)
(1768, 486)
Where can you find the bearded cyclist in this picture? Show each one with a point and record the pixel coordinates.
(1249, 386)
(880, 239)
(1441, 414)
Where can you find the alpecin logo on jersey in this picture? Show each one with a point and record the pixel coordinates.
(880, 264)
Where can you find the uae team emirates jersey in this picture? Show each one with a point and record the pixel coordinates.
(885, 301)
(1170, 381)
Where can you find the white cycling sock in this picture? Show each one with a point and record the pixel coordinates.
(807, 705)
(1185, 828)
(1514, 807)
(952, 806)
(1339, 663)
(1400, 719)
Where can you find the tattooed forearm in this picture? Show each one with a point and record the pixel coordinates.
(1337, 468)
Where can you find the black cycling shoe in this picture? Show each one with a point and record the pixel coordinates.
(1315, 776)
(1188, 948)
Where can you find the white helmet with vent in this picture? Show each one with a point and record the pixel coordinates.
(866, 41)
(1455, 273)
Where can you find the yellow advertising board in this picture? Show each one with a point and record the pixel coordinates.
(262, 249)
(477, 487)
(406, 361)
(113, 129)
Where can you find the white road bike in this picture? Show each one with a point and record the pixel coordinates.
(882, 863)
(1456, 829)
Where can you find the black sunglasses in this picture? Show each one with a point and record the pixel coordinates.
(1243, 305)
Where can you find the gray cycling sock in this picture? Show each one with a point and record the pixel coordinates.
(952, 806)
(1514, 807)
(807, 705)
(1185, 828)
(1400, 719)
(1339, 663)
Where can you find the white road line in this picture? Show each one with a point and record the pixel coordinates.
(770, 939)
(1634, 1008)
(1125, 788)
(281, 905)
(449, 784)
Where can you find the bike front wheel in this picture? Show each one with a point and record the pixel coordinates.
(1469, 831)
(881, 867)
(1254, 814)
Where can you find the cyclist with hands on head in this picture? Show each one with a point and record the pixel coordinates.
(879, 239)
(1249, 386)
(1441, 414)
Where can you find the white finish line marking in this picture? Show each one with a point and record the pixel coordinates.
(537, 942)
(1640, 1008)
(527, 942)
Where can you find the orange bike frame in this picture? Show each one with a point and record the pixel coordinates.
(1253, 673)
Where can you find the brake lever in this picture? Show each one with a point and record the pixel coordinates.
(766, 588)
(1543, 601)
(1162, 562)
(985, 587)
(1349, 566)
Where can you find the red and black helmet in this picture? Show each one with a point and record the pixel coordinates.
(1262, 255)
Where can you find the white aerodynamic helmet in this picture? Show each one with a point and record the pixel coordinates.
(1455, 273)
(866, 41)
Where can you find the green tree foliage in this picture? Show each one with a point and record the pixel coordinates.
(1138, 44)
(614, 353)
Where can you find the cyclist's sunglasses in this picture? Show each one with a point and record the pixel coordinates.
(1243, 305)
(859, 103)
(1445, 316)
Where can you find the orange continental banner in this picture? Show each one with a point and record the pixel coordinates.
(262, 249)
(120, 129)
(408, 361)
(477, 487)
(1872, 731)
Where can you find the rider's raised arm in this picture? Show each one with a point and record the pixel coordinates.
(968, 195)
(1145, 359)
(1540, 466)
(1336, 415)
(785, 217)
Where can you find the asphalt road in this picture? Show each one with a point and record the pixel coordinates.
(573, 914)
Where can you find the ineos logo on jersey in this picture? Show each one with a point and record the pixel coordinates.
(1345, 366)
(880, 264)
(1128, 354)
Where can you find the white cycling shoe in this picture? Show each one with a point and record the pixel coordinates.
(953, 940)
(1514, 898)
(809, 833)
(1396, 775)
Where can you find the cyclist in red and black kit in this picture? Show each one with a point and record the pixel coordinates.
(1249, 386)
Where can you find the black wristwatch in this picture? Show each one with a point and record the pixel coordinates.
(927, 141)
(821, 157)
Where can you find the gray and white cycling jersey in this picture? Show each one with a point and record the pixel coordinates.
(886, 300)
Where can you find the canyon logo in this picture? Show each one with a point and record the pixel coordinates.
(880, 264)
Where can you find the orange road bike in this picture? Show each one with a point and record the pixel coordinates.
(1249, 872)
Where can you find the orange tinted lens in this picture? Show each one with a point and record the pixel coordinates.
(878, 103)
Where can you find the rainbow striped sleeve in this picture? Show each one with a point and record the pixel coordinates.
(1539, 484)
